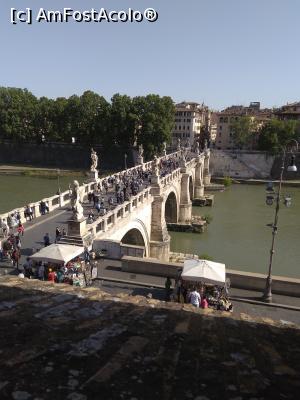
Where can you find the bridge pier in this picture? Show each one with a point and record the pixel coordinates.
(159, 238)
(198, 191)
(185, 206)
(185, 212)
(206, 175)
(160, 250)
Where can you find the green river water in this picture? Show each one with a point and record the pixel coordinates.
(17, 191)
(237, 236)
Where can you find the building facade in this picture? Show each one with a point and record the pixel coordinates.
(289, 111)
(224, 119)
(190, 120)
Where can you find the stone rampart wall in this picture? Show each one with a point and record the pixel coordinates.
(62, 155)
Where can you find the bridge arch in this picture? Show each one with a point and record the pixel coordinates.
(171, 207)
(136, 234)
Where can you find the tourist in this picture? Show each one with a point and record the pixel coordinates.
(204, 302)
(91, 217)
(57, 234)
(195, 298)
(43, 207)
(86, 255)
(20, 229)
(18, 242)
(28, 213)
(46, 240)
(51, 275)
(4, 227)
(15, 256)
(41, 271)
(60, 275)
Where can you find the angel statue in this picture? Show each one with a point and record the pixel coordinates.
(94, 159)
(76, 200)
(141, 150)
(155, 166)
(178, 144)
(164, 148)
(197, 150)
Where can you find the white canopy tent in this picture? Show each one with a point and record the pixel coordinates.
(204, 271)
(58, 253)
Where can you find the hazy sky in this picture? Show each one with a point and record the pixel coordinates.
(221, 52)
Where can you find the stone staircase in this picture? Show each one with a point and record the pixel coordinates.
(72, 240)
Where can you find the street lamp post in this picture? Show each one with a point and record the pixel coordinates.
(125, 161)
(267, 296)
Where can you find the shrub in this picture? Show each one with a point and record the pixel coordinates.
(208, 218)
(227, 181)
(205, 256)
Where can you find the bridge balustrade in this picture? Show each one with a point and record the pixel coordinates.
(106, 222)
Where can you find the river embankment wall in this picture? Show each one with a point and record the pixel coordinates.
(238, 279)
(241, 164)
(247, 164)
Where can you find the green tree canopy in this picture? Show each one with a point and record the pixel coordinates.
(17, 114)
(243, 130)
(156, 119)
(276, 133)
(125, 122)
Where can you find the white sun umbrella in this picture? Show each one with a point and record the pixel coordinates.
(204, 271)
(58, 253)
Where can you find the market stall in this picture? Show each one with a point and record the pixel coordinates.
(204, 271)
(58, 253)
(206, 277)
(60, 263)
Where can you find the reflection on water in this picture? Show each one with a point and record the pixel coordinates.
(238, 235)
(16, 191)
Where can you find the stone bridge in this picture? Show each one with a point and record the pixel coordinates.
(140, 222)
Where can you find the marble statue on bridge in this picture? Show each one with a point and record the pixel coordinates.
(94, 159)
(155, 166)
(178, 144)
(76, 200)
(141, 150)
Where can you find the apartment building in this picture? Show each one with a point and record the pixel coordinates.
(224, 137)
(289, 111)
(190, 119)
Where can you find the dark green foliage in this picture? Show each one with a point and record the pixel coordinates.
(205, 256)
(243, 131)
(227, 181)
(125, 122)
(276, 133)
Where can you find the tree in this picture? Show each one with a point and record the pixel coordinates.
(156, 118)
(276, 133)
(243, 130)
(17, 114)
(123, 121)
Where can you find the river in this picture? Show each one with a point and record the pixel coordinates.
(17, 191)
(239, 236)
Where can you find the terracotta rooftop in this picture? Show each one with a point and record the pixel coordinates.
(59, 342)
